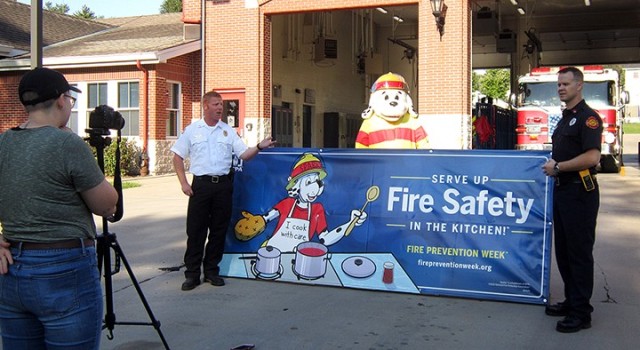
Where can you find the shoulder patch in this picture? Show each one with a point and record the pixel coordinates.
(592, 122)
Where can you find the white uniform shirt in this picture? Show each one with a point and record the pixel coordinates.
(210, 147)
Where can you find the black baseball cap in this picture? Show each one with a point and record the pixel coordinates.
(45, 84)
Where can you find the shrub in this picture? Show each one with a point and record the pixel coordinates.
(129, 158)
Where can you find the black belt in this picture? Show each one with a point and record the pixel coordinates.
(562, 181)
(213, 178)
(68, 244)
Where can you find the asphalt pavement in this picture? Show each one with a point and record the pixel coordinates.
(278, 315)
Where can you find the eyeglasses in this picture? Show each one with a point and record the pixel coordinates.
(72, 99)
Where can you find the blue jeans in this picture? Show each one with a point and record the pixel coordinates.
(51, 299)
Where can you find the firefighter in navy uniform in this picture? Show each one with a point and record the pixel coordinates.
(576, 152)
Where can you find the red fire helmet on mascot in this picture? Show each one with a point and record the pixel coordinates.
(390, 81)
(306, 164)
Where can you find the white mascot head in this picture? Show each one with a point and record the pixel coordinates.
(390, 99)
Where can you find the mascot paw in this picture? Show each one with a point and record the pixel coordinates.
(249, 226)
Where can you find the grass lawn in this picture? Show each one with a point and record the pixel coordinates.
(126, 184)
(631, 128)
(130, 184)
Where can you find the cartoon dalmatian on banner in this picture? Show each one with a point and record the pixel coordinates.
(299, 217)
(390, 121)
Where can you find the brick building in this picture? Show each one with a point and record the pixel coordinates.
(300, 70)
(145, 67)
(272, 56)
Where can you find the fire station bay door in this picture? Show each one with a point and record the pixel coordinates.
(340, 129)
(331, 130)
(282, 125)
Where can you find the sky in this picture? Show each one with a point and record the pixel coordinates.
(110, 8)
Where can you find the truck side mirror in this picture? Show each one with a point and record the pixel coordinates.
(624, 97)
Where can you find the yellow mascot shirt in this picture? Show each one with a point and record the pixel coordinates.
(405, 133)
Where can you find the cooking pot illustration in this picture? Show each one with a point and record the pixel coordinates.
(267, 263)
(310, 262)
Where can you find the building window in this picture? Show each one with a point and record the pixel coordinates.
(96, 96)
(173, 110)
(73, 119)
(129, 107)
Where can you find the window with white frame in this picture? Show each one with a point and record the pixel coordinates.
(173, 110)
(73, 118)
(129, 107)
(96, 96)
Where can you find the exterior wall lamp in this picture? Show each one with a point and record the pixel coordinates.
(439, 10)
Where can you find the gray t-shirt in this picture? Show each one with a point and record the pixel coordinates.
(42, 172)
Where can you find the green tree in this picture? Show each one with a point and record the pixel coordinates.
(85, 13)
(170, 6)
(62, 9)
(495, 83)
(621, 73)
(475, 81)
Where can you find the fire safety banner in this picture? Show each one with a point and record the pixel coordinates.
(473, 224)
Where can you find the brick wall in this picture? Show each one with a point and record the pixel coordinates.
(13, 113)
(237, 54)
(191, 11)
(184, 69)
(446, 65)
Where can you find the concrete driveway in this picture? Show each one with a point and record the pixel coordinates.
(277, 316)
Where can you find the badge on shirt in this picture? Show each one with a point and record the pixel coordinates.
(224, 133)
(572, 122)
(592, 122)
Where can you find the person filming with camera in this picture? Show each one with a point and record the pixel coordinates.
(50, 185)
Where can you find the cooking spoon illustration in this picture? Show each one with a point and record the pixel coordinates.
(372, 194)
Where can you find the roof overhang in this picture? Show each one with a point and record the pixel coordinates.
(124, 59)
(5, 50)
(10, 51)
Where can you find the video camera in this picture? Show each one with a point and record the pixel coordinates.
(101, 120)
(104, 117)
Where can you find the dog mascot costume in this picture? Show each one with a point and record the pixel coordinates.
(390, 121)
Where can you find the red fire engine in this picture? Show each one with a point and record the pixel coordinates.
(539, 110)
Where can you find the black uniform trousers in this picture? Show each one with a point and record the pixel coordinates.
(575, 213)
(208, 217)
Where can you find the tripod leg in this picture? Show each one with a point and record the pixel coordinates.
(154, 322)
(104, 260)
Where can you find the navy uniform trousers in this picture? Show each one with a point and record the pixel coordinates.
(575, 213)
(208, 217)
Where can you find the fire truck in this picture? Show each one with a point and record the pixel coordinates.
(539, 109)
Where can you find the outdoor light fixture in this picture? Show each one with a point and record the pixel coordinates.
(514, 2)
(439, 10)
(587, 2)
(398, 19)
(521, 11)
(380, 9)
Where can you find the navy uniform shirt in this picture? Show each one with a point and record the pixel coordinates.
(579, 130)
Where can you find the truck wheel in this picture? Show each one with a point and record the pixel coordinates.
(610, 164)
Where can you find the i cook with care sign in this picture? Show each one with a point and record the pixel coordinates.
(473, 224)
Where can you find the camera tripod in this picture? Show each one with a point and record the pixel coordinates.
(107, 241)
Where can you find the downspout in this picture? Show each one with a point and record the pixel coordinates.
(201, 22)
(202, 53)
(144, 164)
(261, 87)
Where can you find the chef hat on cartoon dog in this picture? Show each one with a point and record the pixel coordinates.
(390, 81)
(306, 164)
